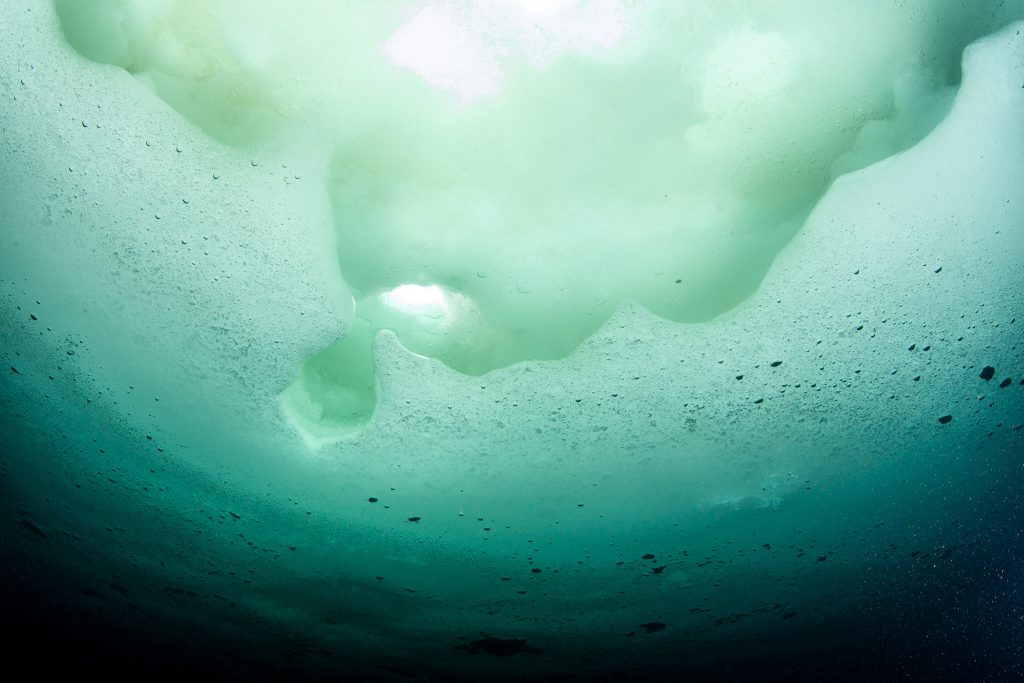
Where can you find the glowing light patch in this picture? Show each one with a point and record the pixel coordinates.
(428, 301)
(464, 47)
(445, 54)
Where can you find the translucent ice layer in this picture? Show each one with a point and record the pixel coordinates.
(544, 161)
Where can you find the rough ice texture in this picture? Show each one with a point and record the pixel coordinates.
(545, 161)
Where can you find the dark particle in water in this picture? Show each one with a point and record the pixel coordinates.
(760, 400)
(648, 556)
(499, 647)
(536, 570)
(372, 499)
(33, 528)
(653, 626)
(658, 570)
(415, 519)
(1005, 383)
(776, 363)
(987, 373)
(945, 419)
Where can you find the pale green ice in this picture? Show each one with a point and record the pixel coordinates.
(544, 162)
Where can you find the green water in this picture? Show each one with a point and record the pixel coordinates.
(514, 341)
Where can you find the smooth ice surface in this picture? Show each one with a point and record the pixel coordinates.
(167, 273)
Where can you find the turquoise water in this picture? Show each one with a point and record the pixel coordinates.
(591, 353)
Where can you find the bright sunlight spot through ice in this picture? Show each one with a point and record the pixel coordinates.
(428, 301)
(463, 47)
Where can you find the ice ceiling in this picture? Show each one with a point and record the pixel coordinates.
(421, 331)
(537, 163)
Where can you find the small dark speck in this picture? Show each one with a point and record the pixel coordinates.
(653, 626)
(536, 570)
(760, 400)
(291, 547)
(821, 558)
(678, 282)
(648, 556)
(911, 347)
(33, 316)
(945, 419)
(372, 499)
(233, 515)
(658, 570)
(776, 363)
(856, 272)
(15, 370)
(1005, 383)
(939, 269)
(918, 378)
(414, 519)
(500, 647)
(33, 528)
(739, 376)
(987, 373)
